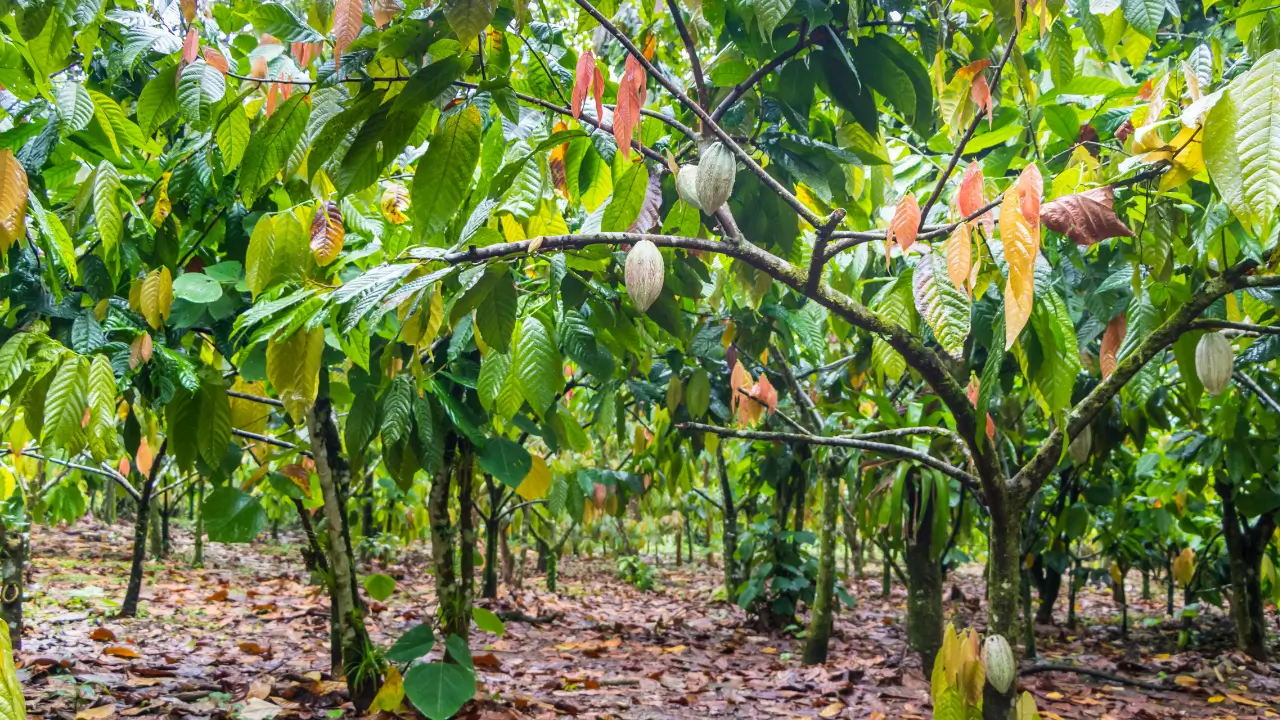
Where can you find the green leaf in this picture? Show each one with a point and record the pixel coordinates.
(697, 394)
(941, 304)
(444, 173)
(270, 146)
(494, 368)
(439, 689)
(538, 366)
(13, 358)
(379, 586)
(628, 199)
(197, 288)
(415, 643)
(64, 407)
(200, 87)
(894, 304)
(75, 108)
(506, 460)
(468, 18)
(891, 70)
(397, 408)
(158, 101)
(101, 388)
(106, 213)
(362, 422)
(233, 137)
(279, 21)
(496, 313)
(769, 13)
(489, 622)
(232, 516)
(215, 419)
(52, 229)
(1145, 15)
(1242, 144)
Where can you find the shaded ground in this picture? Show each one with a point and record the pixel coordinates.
(247, 637)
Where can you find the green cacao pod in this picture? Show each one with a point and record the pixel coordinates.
(715, 177)
(1214, 362)
(1080, 446)
(999, 663)
(644, 274)
(687, 185)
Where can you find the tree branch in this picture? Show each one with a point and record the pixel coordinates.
(264, 400)
(1256, 389)
(850, 442)
(269, 440)
(741, 88)
(692, 51)
(103, 471)
(1208, 324)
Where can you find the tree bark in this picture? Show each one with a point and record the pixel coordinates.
(492, 524)
(109, 504)
(729, 534)
(129, 607)
(359, 665)
(13, 560)
(443, 540)
(156, 530)
(197, 559)
(1246, 546)
(1004, 574)
(467, 548)
(924, 577)
(1049, 586)
(815, 649)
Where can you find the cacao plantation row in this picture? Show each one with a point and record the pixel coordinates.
(903, 338)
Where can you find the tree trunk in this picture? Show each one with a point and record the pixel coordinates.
(1072, 589)
(1169, 584)
(679, 534)
(443, 538)
(815, 649)
(1146, 584)
(508, 560)
(1049, 586)
(729, 535)
(1004, 574)
(359, 664)
(109, 504)
(156, 529)
(1028, 620)
(129, 607)
(13, 560)
(1245, 548)
(467, 548)
(924, 578)
(197, 558)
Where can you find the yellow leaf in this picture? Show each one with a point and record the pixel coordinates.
(1216, 699)
(13, 200)
(12, 704)
(1244, 700)
(327, 233)
(156, 297)
(102, 712)
(391, 694)
(395, 200)
(7, 483)
(537, 483)
(163, 205)
(1021, 246)
(249, 414)
(293, 368)
(1027, 709)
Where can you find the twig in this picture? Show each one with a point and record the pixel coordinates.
(1256, 389)
(741, 88)
(1208, 324)
(120, 479)
(692, 51)
(268, 440)
(264, 400)
(1100, 674)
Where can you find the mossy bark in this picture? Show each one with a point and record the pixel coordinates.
(924, 578)
(137, 563)
(729, 533)
(13, 560)
(461, 625)
(492, 525)
(815, 649)
(359, 662)
(197, 558)
(1004, 581)
(1246, 546)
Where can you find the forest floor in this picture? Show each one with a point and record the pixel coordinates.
(247, 637)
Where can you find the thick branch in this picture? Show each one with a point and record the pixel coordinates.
(924, 459)
(254, 398)
(692, 51)
(103, 471)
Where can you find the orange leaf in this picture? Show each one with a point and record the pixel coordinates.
(1021, 246)
(582, 78)
(273, 97)
(216, 60)
(974, 387)
(102, 635)
(253, 648)
(980, 91)
(140, 351)
(905, 223)
(598, 494)
(626, 113)
(217, 596)
(597, 91)
(738, 379)
(384, 11)
(190, 46)
(258, 68)
(124, 466)
(121, 652)
(1111, 339)
(188, 10)
(327, 233)
(970, 199)
(13, 200)
(765, 393)
(559, 153)
(1030, 188)
(960, 257)
(348, 17)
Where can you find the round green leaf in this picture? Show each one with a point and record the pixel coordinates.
(439, 689)
(487, 621)
(197, 288)
(412, 645)
(232, 515)
(379, 586)
(506, 460)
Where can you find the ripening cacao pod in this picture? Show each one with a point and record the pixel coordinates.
(715, 177)
(1080, 446)
(1214, 362)
(687, 185)
(998, 661)
(644, 274)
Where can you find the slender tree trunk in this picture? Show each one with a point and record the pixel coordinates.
(1146, 584)
(1072, 589)
(924, 578)
(13, 560)
(492, 525)
(508, 560)
(156, 529)
(1245, 548)
(197, 559)
(729, 533)
(1028, 620)
(359, 665)
(1169, 584)
(886, 568)
(129, 607)
(443, 537)
(1004, 575)
(1049, 585)
(815, 649)
(467, 549)
(109, 504)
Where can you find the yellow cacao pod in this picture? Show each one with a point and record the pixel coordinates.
(1184, 567)
(1081, 446)
(999, 663)
(1214, 362)
(715, 177)
(644, 274)
(687, 185)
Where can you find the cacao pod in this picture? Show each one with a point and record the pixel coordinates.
(687, 185)
(1081, 446)
(644, 274)
(998, 661)
(715, 177)
(1214, 362)
(1184, 567)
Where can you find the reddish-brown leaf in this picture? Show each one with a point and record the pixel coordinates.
(384, 11)
(1086, 218)
(626, 113)
(969, 198)
(188, 10)
(651, 209)
(739, 379)
(190, 47)
(960, 257)
(597, 91)
(348, 16)
(905, 223)
(216, 60)
(327, 233)
(140, 351)
(974, 387)
(258, 68)
(559, 176)
(1030, 188)
(1111, 339)
(582, 80)
(765, 393)
(273, 97)
(102, 635)
(598, 494)
(980, 91)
